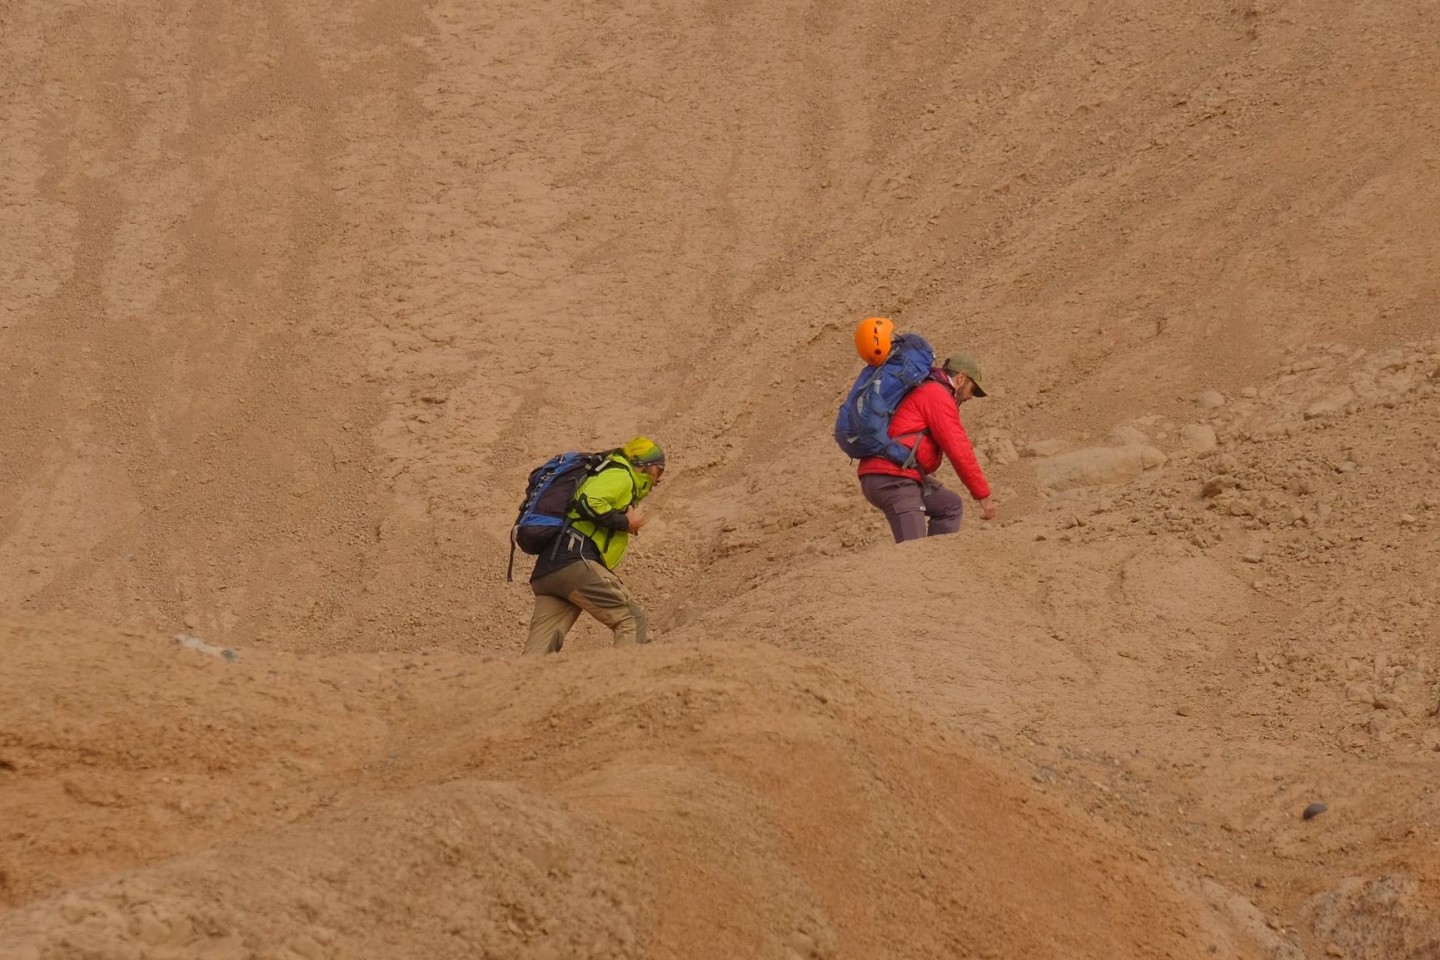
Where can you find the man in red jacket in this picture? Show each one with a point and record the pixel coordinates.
(928, 421)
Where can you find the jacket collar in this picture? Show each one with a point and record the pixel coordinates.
(939, 375)
(642, 483)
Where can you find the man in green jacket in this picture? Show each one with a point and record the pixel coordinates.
(577, 574)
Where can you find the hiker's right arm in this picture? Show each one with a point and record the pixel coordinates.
(603, 499)
(942, 416)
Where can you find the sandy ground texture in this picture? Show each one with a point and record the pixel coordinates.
(293, 295)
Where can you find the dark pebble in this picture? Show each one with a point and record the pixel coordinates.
(1314, 810)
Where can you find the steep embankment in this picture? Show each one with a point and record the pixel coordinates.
(297, 296)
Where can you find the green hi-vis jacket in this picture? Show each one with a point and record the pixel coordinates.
(612, 490)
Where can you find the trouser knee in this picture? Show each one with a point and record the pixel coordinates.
(945, 507)
(633, 627)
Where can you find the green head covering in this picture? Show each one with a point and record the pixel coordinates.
(643, 452)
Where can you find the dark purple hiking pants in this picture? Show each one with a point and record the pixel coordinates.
(906, 505)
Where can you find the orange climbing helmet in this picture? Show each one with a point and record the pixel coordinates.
(872, 339)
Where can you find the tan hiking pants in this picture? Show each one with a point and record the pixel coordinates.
(583, 586)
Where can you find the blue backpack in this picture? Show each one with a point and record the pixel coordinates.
(549, 493)
(862, 427)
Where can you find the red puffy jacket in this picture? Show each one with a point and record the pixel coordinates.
(931, 407)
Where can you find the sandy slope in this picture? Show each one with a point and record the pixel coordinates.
(292, 296)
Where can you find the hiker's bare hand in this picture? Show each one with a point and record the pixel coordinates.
(987, 509)
(636, 518)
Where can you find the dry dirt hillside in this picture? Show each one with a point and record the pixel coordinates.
(710, 801)
(293, 295)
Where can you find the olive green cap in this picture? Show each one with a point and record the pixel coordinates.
(962, 363)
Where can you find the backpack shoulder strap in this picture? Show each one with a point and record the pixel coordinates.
(510, 567)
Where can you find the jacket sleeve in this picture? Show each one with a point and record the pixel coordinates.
(603, 498)
(942, 417)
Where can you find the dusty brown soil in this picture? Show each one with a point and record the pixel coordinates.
(292, 296)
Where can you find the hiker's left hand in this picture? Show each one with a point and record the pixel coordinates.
(636, 518)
